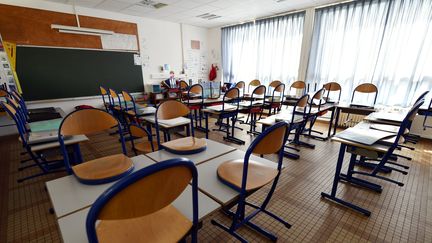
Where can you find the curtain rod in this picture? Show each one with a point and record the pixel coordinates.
(290, 12)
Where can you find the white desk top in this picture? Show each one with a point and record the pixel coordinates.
(73, 226)
(69, 195)
(170, 123)
(213, 150)
(56, 144)
(210, 184)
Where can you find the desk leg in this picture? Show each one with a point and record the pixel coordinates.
(337, 120)
(331, 122)
(206, 125)
(336, 180)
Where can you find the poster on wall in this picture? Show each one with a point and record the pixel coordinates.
(8, 75)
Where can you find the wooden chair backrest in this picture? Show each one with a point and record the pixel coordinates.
(103, 90)
(196, 89)
(13, 102)
(3, 93)
(147, 195)
(172, 109)
(275, 83)
(332, 86)
(298, 85)
(240, 84)
(233, 93)
(366, 88)
(87, 121)
(138, 131)
(260, 90)
(183, 84)
(272, 142)
(318, 95)
(113, 94)
(127, 96)
(280, 88)
(255, 82)
(303, 101)
(9, 108)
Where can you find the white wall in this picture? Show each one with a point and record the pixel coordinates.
(214, 50)
(159, 40)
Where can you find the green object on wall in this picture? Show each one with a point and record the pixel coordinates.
(54, 73)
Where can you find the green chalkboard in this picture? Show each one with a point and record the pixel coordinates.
(53, 73)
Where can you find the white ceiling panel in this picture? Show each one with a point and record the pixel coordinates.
(185, 11)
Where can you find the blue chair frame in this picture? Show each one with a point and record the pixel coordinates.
(123, 183)
(361, 182)
(238, 218)
(79, 156)
(167, 137)
(47, 167)
(230, 114)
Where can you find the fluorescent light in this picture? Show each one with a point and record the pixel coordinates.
(80, 30)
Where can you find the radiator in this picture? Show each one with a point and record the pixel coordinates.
(350, 120)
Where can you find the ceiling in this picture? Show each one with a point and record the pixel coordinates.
(186, 11)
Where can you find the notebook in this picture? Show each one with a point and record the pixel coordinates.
(385, 128)
(363, 136)
(49, 125)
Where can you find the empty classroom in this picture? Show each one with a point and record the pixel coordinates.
(215, 121)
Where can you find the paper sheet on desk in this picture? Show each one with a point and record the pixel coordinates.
(385, 128)
(219, 107)
(175, 121)
(397, 117)
(146, 110)
(364, 136)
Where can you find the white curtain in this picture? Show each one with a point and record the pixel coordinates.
(266, 50)
(387, 43)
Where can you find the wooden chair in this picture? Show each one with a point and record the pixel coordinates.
(183, 85)
(100, 170)
(139, 207)
(38, 158)
(316, 101)
(195, 102)
(301, 108)
(245, 176)
(332, 87)
(172, 109)
(384, 158)
(147, 144)
(365, 88)
(275, 98)
(255, 108)
(253, 84)
(298, 86)
(105, 95)
(229, 111)
(241, 85)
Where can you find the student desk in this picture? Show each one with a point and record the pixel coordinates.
(214, 149)
(72, 201)
(394, 119)
(351, 109)
(229, 113)
(69, 196)
(352, 146)
(209, 183)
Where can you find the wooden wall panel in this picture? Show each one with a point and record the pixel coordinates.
(27, 26)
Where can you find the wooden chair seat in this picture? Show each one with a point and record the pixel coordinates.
(105, 168)
(146, 147)
(186, 145)
(258, 174)
(165, 225)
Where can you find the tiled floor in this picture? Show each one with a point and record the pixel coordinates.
(399, 214)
